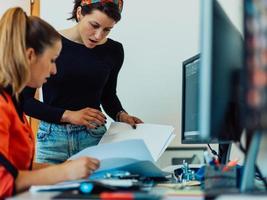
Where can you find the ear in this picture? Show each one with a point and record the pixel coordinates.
(31, 55)
(79, 13)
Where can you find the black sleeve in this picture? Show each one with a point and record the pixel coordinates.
(110, 101)
(38, 109)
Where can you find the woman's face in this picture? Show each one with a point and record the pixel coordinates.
(43, 66)
(94, 28)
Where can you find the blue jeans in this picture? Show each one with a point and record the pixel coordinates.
(56, 143)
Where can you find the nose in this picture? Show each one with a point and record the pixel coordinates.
(53, 70)
(99, 34)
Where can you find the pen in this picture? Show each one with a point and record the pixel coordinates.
(230, 164)
(128, 196)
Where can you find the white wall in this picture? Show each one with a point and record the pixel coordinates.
(157, 37)
(24, 4)
(149, 83)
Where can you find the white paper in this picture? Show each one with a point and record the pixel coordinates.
(57, 187)
(117, 154)
(133, 150)
(156, 137)
(68, 185)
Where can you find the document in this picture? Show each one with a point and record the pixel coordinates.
(133, 150)
(156, 137)
(117, 154)
(129, 155)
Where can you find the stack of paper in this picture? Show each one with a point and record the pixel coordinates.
(133, 150)
(156, 137)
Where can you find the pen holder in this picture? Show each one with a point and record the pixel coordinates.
(218, 177)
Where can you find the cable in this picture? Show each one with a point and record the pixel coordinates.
(213, 151)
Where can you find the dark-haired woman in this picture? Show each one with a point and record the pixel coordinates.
(88, 68)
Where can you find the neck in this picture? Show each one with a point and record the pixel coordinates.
(72, 34)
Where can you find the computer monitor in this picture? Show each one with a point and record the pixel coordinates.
(255, 115)
(256, 64)
(221, 62)
(190, 97)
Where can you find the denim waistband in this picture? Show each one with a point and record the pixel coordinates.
(61, 127)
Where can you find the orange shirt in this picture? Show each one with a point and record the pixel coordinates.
(16, 143)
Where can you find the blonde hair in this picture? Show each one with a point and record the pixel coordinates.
(14, 69)
(17, 33)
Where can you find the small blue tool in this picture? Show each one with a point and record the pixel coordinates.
(86, 188)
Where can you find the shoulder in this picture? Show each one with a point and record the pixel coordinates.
(114, 44)
(5, 103)
(116, 49)
(6, 110)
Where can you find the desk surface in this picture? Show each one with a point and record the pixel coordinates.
(168, 193)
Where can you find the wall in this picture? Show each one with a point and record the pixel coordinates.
(157, 37)
(5, 4)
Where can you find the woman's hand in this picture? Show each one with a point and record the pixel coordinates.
(80, 168)
(132, 120)
(70, 170)
(89, 117)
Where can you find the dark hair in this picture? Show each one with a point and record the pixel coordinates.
(40, 34)
(109, 8)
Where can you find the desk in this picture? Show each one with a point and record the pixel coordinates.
(241, 197)
(31, 196)
(168, 194)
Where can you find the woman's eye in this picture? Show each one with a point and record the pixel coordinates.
(94, 26)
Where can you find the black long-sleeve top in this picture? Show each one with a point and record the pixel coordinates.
(85, 78)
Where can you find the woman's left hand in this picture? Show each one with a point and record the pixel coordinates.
(132, 120)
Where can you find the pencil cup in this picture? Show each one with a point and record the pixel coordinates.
(218, 177)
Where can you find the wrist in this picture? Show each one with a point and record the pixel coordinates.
(65, 116)
(118, 115)
(64, 175)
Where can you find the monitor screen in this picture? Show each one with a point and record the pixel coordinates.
(190, 112)
(219, 75)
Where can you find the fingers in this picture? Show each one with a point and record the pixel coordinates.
(90, 165)
(95, 161)
(97, 113)
(132, 120)
(93, 164)
(94, 117)
(137, 120)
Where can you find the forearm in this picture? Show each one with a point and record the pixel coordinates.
(36, 166)
(38, 109)
(45, 176)
(112, 106)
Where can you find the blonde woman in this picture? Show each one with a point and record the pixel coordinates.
(29, 47)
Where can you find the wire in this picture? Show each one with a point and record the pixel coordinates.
(213, 151)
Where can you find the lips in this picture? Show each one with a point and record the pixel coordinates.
(93, 41)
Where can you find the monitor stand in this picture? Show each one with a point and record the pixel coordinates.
(224, 153)
(247, 182)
